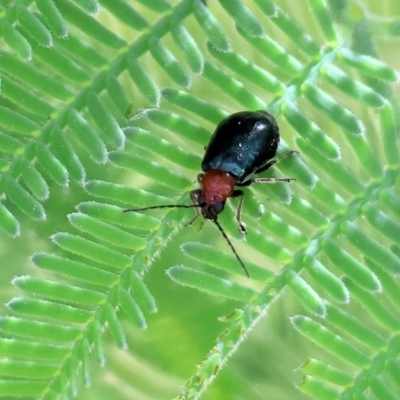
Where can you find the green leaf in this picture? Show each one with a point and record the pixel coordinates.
(23, 200)
(52, 17)
(61, 312)
(306, 294)
(17, 122)
(331, 342)
(17, 41)
(210, 283)
(91, 250)
(144, 82)
(169, 63)
(243, 17)
(210, 26)
(8, 222)
(105, 122)
(115, 327)
(77, 270)
(49, 162)
(106, 232)
(37, 30)
(34, 78)
(88, 137)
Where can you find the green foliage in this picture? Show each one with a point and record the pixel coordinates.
(108, 105)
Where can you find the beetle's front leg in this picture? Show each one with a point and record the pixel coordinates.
(237, 193)
(194, 194)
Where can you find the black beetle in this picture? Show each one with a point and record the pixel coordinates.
(242, 145)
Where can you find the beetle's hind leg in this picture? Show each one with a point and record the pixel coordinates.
(269, 164)
(237, 193)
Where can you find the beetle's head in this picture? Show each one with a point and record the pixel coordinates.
(210, 210)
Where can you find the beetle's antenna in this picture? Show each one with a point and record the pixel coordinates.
(163, 206)
(231, 245)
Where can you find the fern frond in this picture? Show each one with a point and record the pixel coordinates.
(121, 105)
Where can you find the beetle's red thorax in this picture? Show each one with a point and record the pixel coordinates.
(217, 186)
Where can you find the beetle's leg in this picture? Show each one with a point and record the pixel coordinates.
(265, 180)
(237, 193)
(271, 180)
(194, 194)
(269, 164)
(246, 183)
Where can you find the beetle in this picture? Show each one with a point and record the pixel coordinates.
(243, 144)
